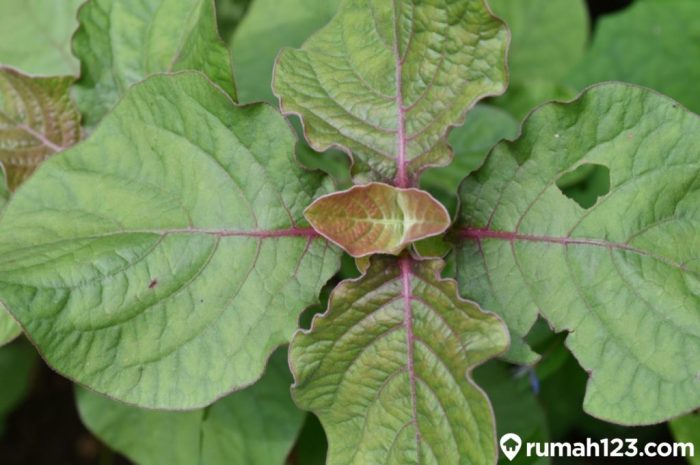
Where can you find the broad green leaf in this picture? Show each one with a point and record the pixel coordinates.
(121, 42)
(516, 408)
(548, 37)
(687, 430)
(256, 426)
(386, 369)
(9, 329)
(229, 14)
(653, 43)
(4, 189)
(269, 26)
(311, 447)
(485, 126)
(35, 36)
(37, 119)
(16, 363)
(386, 80)
(162, 260)
(377, 218)
(623, 276)
(521, 99)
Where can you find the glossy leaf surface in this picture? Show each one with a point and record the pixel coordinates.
(174, 234)
(621, 276)
(121, 42)
(377, 218)
(386, 369)
(386, 80)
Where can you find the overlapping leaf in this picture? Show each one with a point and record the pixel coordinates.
(386, 80)
(548, 37)
(16, 363)
(516, 407)
(9, 329)
(622, 276)
(268, 26)
(37, 119)
(377, 218)
(687, 430)
(485, 125)
(4, 189)
(35, 36)
(173, 235)
(121, 42)
(652, 43)
(386, 369)
(256, 426)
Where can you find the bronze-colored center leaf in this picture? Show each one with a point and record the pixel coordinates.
(377, 218)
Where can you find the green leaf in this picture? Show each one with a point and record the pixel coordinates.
(377, 218)
(652, 43)
(229, 14)
(256, 426)
(687, 429)
(16, 363)
(171, 236)
(386, 369)
(516, 408)
(37, 119)
(386, 80)
(269, 26)
(521, 99)
(485, 126)
(623, 276)
(548, 37)
(9, 329)
(35, 35)
(4, 189)
(121, 42)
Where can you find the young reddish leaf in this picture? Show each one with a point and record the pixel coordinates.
(377, 218)
(163, 259)
(386, 369)
(387, 79)
(37, 119)
(623, 276)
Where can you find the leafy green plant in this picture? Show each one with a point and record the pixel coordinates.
(171, 247)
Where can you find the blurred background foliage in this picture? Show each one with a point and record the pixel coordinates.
(558, 48)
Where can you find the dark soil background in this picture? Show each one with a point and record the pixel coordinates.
(46, 429)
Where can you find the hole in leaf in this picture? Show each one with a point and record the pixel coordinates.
(585, 184)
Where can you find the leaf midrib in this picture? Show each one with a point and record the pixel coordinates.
(407, 297)
(480, 234)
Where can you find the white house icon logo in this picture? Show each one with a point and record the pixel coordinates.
(510, 445)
